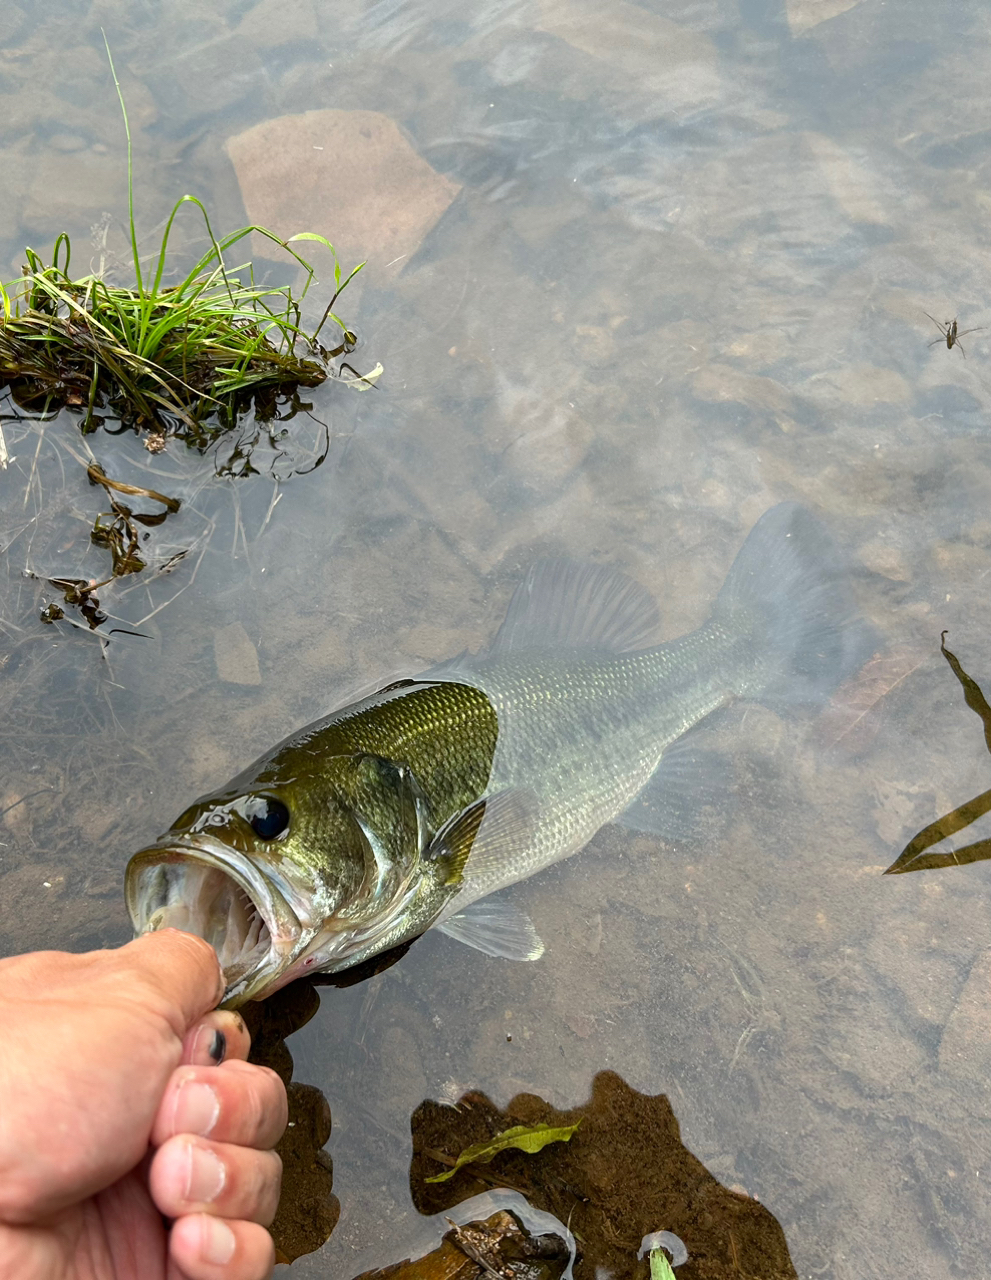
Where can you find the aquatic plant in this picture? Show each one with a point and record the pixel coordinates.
(916, 856)
(183, 360)
(186, 361)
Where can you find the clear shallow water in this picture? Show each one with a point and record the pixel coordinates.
(684, 279)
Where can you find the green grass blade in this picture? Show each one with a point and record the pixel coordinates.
(130, 172)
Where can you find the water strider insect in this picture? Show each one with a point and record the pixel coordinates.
(952, 334)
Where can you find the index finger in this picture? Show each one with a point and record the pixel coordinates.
(180, 968)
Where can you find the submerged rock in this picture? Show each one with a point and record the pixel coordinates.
(236, 656)
(965, 1049)
(351, 176)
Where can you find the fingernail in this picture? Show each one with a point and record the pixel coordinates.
(205, 1175)
(197, 1109)
(209, 1045)
(218, 1047)
(217, 1242)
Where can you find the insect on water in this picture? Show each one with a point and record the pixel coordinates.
(952, 334)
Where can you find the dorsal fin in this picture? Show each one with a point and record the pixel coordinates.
(564, 604)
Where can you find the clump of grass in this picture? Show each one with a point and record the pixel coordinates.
(184, 359)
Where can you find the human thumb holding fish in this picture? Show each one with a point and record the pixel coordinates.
(126, 1101)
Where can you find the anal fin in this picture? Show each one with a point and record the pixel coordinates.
(688, 797)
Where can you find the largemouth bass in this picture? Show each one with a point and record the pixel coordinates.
(405, 810)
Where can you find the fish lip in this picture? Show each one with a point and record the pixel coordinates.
(281, 906)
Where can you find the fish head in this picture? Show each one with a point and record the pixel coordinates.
(281, 870)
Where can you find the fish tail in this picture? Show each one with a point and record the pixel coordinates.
(789, 592)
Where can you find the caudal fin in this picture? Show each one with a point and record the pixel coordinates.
(789, 590)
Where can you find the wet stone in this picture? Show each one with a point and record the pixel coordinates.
(208, 79)
(548, 441)
(886, 559)
(643, 50)
(74, 189)
(803, 15)
(236, 656)
(272, 23)
(864, 385)
(720, 383)
(351, 176)
(848, 181)
(965, 1049)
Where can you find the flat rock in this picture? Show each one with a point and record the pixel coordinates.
(351, 176)
(236, 656)
(273, 23)
(67, 190)
(866, 385)
(849, 180)
(965, 1049)
(644, 50)
(803, 15)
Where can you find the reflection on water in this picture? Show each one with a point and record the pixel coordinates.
(505, 1244)
(665, 265)
(308, 1209)
(624, 1175)
(616, 1174)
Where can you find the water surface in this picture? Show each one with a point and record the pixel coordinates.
(682, 275)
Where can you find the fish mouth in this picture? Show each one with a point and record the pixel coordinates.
(200, 885)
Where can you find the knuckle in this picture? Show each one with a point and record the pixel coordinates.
(268, 1187)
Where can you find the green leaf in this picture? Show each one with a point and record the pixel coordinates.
(312, 235)
(528, 1138)
(660, 1268)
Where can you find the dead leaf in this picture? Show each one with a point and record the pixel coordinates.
(854, 714)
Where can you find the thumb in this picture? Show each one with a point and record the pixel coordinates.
(180, 969)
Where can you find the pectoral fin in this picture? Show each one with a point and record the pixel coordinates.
(491, 832)
(495, 928)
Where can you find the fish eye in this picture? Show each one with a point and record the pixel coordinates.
(267, 817)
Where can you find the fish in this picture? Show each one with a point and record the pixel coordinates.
(410, 808)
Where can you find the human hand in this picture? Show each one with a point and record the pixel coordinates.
(123, 1099)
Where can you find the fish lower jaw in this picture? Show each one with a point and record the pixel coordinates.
(254, 932)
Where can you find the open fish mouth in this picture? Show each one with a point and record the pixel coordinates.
(199, 885)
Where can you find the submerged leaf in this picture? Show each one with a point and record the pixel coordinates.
(980, 851)
(853, 716)
(972, 694)
(523, 1137)
(97, 475)
(914, 857)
